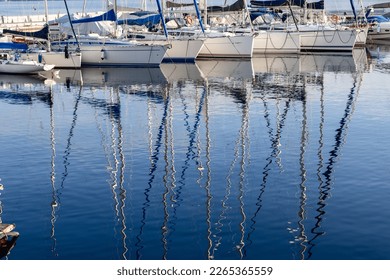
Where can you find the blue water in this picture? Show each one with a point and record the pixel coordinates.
(273, 158)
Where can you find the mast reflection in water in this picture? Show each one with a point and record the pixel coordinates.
(271, 158)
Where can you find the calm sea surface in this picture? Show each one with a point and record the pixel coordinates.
(280, 157)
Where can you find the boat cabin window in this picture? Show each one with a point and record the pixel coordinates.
(4, 56)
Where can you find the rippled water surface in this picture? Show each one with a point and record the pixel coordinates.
(275, 158)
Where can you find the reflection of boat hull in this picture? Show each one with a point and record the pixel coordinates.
(327, 63)
(226, 69)
(273, 63)
(21, 79)
(361, 37)
(182, 71)
(23, 67)
(93, 76)
(64, 76)
(311, 63)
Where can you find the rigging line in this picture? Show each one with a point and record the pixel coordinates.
(333, 35)
(114, 171)
(153, 168)
(266, 168)
(71, 25)
(208, 181)
(150, 132)
(175, 189)
(57, 192)
(303, 172)
(111, 170)
(244, 155)
(164, 227)
(224, 202)
(340, 135)
(54, 202)
(192, 134)
(190, 149)
(172, 167)
(272, 43)
(69, 144)
(122, 189)
(322, 192)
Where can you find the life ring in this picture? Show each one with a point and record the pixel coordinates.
(189, 20)
(335, 18)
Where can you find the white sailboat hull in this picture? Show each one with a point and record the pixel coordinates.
(328, 40)
(240, 46)
(181, 50)
(101, 51)
(23, 67)
(379, 32)
(361, 37)
(122, 55)
(274, 41)
(57, 58)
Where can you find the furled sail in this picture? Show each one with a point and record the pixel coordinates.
(171, 4)
(41, 34)
(148, 19)
(236, 6)
(108, 16)
(13, 46)
(276, 3)
(380, 5)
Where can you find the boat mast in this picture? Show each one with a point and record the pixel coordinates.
(47, 24)
(199, 15)
(203, 5)
(292, 14)
(116, 18)
(71, 25)
(305, 12)
(84, 5)
(160, 11)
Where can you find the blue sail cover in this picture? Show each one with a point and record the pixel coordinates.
(149, 19)
(108, 16)
(13, 46)
(268, 3)
(318, 5)
(42, 33)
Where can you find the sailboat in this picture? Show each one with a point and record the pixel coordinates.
(314, 37)
(183, 49)
(13, 65)
(103, 50)
(379, 24)
(60, 58)
(217, 43)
